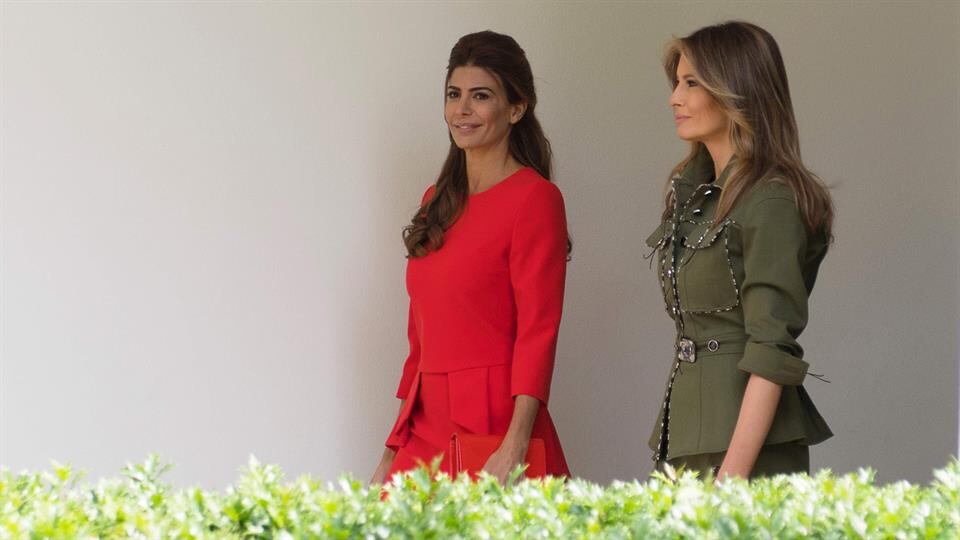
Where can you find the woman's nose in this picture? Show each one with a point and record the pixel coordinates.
(463, 107)
(676, 97)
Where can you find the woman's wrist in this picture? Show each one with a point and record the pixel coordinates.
(515, 446)
(733, 469)
(517, 439)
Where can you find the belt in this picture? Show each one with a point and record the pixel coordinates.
(688, 349)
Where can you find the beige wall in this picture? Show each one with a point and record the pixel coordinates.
(200, 209)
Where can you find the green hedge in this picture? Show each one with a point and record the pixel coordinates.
(56, 504)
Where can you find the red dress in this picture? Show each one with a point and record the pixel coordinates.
(484, 314)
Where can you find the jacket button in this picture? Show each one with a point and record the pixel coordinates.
(707, 192)
(713, 345)
(697, 212)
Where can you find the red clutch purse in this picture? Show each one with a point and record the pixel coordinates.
(469, 453)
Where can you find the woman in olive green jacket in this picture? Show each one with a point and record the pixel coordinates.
(743, 233)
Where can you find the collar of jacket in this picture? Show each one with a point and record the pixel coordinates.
(700, 171)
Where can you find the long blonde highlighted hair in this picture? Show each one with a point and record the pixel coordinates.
(740, 66)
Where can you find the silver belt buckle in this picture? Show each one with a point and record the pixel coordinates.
(687, 350)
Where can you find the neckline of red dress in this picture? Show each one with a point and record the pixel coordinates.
(500, 183)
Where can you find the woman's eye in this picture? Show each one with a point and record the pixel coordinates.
(453, 94)
(691, 83)
(481, 96)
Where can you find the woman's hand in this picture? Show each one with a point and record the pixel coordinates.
(380, 475)
(502, 462)
(731, 471)
(514, 446)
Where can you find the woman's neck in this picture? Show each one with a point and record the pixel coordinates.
(720, 152)
(487, 166)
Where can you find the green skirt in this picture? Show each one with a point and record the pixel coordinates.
(774, 459)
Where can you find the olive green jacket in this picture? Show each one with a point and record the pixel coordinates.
(737, 291)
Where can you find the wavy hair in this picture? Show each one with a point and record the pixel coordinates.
(740, 66)
(502, 57)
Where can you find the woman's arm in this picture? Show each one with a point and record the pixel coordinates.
(386, 460)
(538, 265)
(756, 415)
(774, 298)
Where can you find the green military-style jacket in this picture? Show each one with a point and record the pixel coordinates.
(737, 292)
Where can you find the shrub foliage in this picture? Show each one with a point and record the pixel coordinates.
(262, 504)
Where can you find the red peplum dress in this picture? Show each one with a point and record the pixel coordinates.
(484, 314)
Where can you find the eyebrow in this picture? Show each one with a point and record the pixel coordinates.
(474, 89)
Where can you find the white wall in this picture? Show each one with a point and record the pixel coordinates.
(200, 213)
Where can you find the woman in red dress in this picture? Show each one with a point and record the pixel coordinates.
(487, 254)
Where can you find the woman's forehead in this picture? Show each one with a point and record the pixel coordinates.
(466, 77)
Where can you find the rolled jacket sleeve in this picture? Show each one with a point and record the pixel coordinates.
(538, 265)
(774, 294)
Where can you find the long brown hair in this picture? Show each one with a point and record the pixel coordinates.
(500, 55)
(740, 65)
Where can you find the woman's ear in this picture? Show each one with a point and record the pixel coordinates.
(517, 111)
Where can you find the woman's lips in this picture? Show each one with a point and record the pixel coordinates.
(680, 118)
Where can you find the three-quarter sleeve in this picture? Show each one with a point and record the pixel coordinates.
(538, 265)
(774, 293)
(411, 364)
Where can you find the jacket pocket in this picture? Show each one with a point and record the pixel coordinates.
(708, 283)
(659, 237)
(659, 244)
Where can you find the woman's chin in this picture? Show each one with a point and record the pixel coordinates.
(465, 145)
(461, 144)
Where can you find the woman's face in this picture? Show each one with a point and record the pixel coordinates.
(476, 109)
(697, 115)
